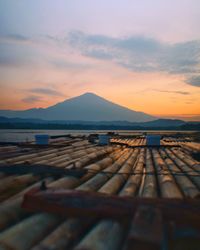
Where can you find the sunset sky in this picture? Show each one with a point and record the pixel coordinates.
(144, 55)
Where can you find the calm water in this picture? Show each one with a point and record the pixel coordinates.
(22, 135)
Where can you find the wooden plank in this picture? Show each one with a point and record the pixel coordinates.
(82, 203)
(146, 230)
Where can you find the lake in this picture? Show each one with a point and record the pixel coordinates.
(23, 135)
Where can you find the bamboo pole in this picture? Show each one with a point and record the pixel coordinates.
(8, 148)
(188, 160)
(72, 158)
(66, 182)
(98, 180)
(192, 146)
(109, 234)
(188, 148)
(6, 152)
(14, 184)
(72, 229)
(133, 183)
(111, 231)
(192, 174)
(36, 229)
(40, 159)
(66, 234)
(115, 183)
(11, 236)
(92, 157)
(106, 235)
(148, 190)
(27, 156)
(42, 153)
(10, 209)
(36, 152)
(168, 187)
(76, 154)
(150, 186)
(185, 184)
(66, 155)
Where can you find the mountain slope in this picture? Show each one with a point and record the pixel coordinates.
(87, 107)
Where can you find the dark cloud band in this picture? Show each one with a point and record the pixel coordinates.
(46, 91)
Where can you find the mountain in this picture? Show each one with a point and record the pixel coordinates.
(87, 107)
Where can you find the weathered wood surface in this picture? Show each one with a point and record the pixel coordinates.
(84, 203)
(146, 231)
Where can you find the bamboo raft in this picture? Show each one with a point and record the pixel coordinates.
(140, 173)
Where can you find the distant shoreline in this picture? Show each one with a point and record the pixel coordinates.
(10, 126)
